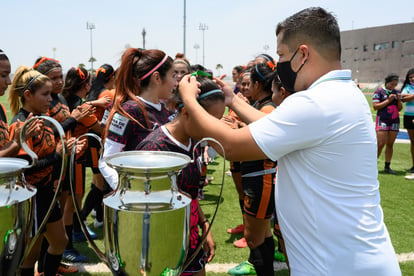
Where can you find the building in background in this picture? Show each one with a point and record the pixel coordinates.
(372, 53)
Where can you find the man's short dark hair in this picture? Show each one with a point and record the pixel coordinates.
(313, 26)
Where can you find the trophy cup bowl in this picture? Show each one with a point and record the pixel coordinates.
(16, 213)
(17, 205)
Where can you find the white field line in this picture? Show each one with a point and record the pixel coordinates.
(217, 268)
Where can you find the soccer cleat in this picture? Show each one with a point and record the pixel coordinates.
(236, 230)
(80, 237)
(245, 268)
(410, 176)
(279, 257)
(73, 256)
(93, 235)
(389, 171)
(242, 243)
(64, 268)
(98, 224)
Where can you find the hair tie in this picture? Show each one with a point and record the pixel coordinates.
(100, 69)
(271, 65)
(211, 92)
(30, 83)
(260, 74)
(139, 52)
(181, 61)
(155, 68)
(110, 75)
(82, 75)
(202, 74)
(43, 59)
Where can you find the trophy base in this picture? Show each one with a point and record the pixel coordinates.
(15, 220)
(146, 239)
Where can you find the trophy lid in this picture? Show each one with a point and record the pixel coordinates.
(147, 161)
(10, 166)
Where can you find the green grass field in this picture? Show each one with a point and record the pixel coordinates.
(397, 200)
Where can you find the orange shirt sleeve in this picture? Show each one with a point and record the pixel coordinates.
(12, 130)
(267, 109)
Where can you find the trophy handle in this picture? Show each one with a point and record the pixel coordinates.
(95, 248)
(34, 158)
(205, 140)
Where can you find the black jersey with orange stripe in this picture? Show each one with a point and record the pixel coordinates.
(44, 145)
(85, 123)
(4, 128)
(59, 110)
(265, 105)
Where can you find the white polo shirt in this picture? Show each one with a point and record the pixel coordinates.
(327, 193)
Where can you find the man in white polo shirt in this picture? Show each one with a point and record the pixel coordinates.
(327, 193)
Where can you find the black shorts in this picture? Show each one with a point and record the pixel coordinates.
(276, 227)
(259, 196)
(408, 122)
(44, 197)
(91, 155)
(65, 181)
(197, 264)
(234, 166)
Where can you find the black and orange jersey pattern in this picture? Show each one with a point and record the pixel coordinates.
(44, 146)
(84, 124)
(4, 128)
(58, 109)
(266, 105)
(99, 110)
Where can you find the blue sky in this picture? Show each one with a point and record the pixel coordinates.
(237, 30)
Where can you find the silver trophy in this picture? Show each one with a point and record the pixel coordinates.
(147, 218)
(17, 206)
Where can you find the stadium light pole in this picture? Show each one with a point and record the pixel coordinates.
(196, 47)
(203, 27)
(91, 26)
(144, 33)
(184, 27)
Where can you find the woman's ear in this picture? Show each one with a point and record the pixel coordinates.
(156, 77)
(27, 94)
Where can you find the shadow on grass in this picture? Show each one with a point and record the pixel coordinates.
(397, 173)
(210, 199)
(234, 237)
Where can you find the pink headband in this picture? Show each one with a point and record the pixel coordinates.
(155, 68)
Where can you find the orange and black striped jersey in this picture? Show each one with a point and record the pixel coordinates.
(84, 124)
(44, 145)
(99, 110)
(4, 129)
(265, 105)
(59, 110)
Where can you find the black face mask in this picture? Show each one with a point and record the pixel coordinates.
(286, 75)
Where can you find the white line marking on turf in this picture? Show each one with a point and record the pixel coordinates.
(217, 268)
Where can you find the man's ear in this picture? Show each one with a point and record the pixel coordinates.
(304, 51)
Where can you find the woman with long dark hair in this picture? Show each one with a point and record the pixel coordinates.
(144, 78)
